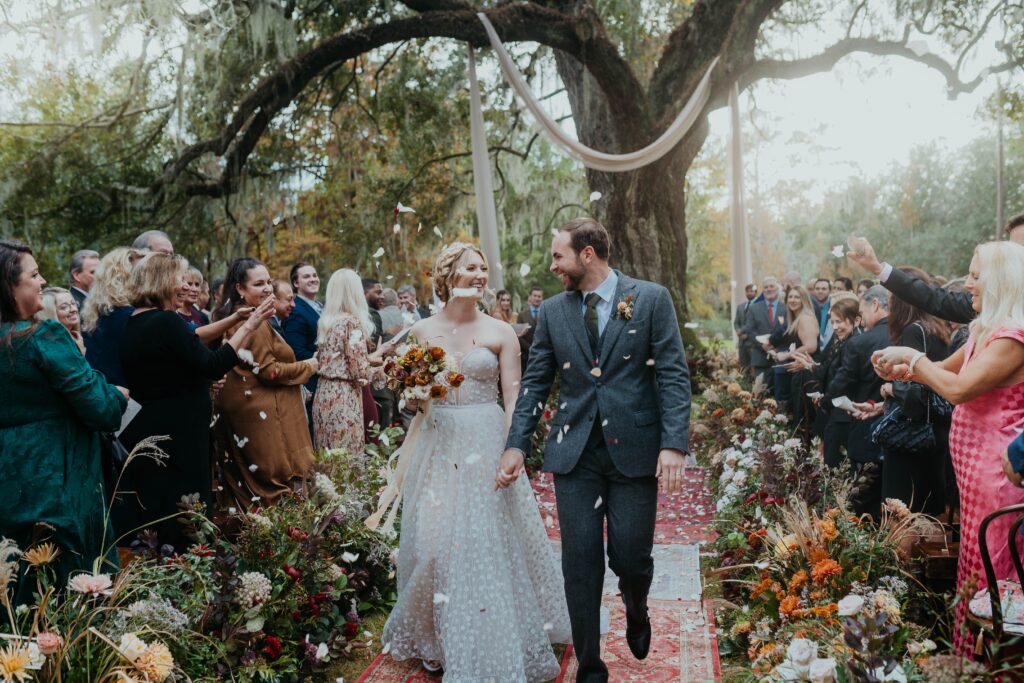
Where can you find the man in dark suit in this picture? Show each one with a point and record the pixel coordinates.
(761, 319)
(82, 272)
(858, 381)
(384, 398)
(625, 391)
(299, 329)
(953, 306)
(528, 316)
(744, 342)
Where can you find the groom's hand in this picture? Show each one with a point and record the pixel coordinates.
(509, 468)
(671, 465)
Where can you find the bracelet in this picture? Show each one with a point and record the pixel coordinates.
(913, 362)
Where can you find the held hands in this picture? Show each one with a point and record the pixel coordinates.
(509, 468)
(892, 363)
(671, 467)
(868, 410)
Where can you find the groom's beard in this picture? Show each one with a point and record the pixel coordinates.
(573, 278)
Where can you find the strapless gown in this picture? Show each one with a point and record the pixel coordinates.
(479, 585)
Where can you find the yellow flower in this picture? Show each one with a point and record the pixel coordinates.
(827, 528)
(733, 389)
(156, 662)
(14, 663)
(44, 553)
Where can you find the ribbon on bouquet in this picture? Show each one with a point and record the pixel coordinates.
(421, 436)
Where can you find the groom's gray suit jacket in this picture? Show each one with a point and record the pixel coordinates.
(643, 405)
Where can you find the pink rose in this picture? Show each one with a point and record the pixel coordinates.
(49, 642)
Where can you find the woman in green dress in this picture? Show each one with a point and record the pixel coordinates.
(52, 406)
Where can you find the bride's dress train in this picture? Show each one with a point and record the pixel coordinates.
(479, 586)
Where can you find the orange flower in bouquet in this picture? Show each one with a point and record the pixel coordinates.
(420, 372)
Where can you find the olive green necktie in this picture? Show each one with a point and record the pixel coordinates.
(590, 319)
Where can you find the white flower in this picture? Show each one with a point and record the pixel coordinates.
(131, 646)
(822, 671)
(348, 557)
(747, 444)
(850, 605)
(90, 583)
(732, 457)
(740, 479)
(259, 520)
(325, 487)
(919, 648)
(781, 418)
(321, 652)
(36, 659)
(802, 651)
(727, 475)
(791, 443)
(897, 674)
(253, 589)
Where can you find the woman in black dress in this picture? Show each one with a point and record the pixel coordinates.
(918, 480)
(168, 370)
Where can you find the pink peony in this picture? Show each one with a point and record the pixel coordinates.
(90, 583)
(49, 642)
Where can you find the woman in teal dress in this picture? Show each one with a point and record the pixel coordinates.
(52, 406)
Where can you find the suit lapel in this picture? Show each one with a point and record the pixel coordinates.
(616, 323)
(574, 320)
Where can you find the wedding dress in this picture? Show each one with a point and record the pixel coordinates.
(479, 587)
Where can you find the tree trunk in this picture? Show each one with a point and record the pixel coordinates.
(644, 210)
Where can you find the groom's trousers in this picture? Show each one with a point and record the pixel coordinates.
(593, 491)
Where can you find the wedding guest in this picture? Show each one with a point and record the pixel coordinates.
(154, 240)
(821, 297)
(216, 290)
(831, 424)
(188, 307)
(761, 321)
(107, 311)
(284, 304)
(503, 307)
(856, 379)
(262, 429)
(985, 381)
(791, 279)
(916, 480)
(842, 284)
(407, 302)
(299, 328)
(798, 331)
(372, 291)
(863, 286)
(346, 366)
(383, 397)
(529, 316)
(53, 406)
(59, 305)
(743, 342)
(82, 272)
(169, 371)
(390, 314)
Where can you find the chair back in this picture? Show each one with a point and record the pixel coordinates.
(986, 560)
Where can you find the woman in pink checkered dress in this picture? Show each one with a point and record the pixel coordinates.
(985, 380)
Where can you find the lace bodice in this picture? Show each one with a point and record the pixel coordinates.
(481, 369)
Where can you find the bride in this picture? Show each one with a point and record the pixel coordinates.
(479, 591)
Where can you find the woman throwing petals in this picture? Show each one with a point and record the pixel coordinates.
(985, 381)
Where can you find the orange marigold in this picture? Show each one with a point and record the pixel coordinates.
(438, 391)
(823, 611)
(798, 581)
(788, 604)
(818, 554)
(827, 529)
(436, 352)
(760, 587)
(825, 569)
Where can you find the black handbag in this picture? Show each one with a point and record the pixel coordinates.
(897, 432)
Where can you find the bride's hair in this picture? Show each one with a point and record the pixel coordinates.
(447, 266)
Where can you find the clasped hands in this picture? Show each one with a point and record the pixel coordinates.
(893, 363)
(671, 469)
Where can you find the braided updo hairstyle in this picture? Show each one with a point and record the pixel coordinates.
(447, 265)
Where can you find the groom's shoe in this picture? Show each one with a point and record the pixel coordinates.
(638, 635)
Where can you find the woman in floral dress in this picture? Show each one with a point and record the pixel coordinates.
(346, 366)
(985, 380)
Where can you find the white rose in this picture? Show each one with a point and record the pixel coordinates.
(791, 443)
(822, 671)
(131, 646)
(727, 475)
(747, 444)
(802, 651)
(897, 675)
(850, 605)
(740, 479)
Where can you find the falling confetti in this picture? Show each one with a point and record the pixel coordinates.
(691, 326)
(604, 423)
(594, 196)
(253, 467)
(440, 598)
(404, 209)
(558, 439)
(231, 511)
(241, 441)
(396, 228)
(627, 357)
(263, 415)
(437, 231)
(565, 366)
(596, 372)
(524, 269)
(245, 355)
(348, 557)
(548, 626)
(837, 251)
(597, 503)
(248, 392)
(650, 362)
(378, 253)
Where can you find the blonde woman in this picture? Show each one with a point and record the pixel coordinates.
(484, 551)
(346, 365)
(59, 305)
(796, 330)
(106, 310)
(984, 379)
(189, 308)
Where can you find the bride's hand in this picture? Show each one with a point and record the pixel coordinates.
(509, 468)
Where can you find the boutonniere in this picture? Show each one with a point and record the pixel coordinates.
(625, 308)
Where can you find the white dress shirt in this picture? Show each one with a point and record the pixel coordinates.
(605, 290)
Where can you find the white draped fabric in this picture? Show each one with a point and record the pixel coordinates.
(591, 158)
(486, 214)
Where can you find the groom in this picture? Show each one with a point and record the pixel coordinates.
(622, 426)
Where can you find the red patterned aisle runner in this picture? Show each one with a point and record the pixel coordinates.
(684, 647)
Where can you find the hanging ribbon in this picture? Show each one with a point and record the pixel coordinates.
(486, 214)
(422, 437)
(592, 158)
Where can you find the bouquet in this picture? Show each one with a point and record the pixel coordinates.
(420, 372)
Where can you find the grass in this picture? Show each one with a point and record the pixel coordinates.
(349, 670)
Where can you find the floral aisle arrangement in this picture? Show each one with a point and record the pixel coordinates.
(810, 592)
(275, 595)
